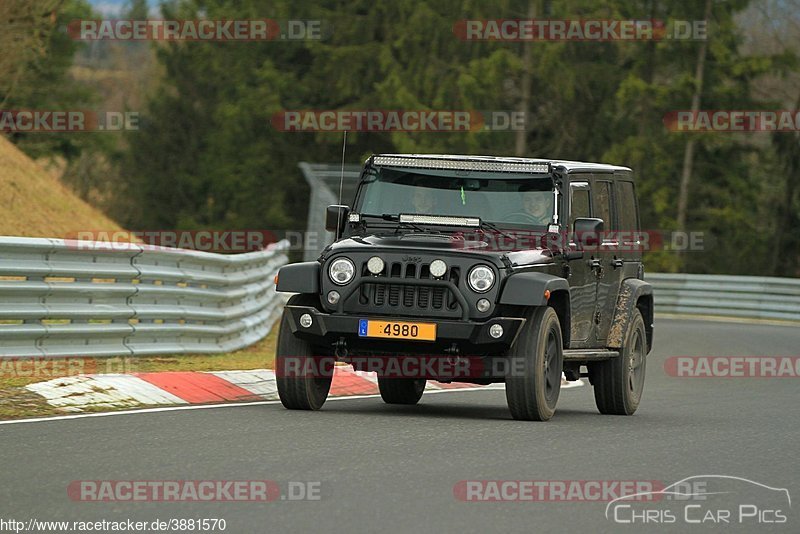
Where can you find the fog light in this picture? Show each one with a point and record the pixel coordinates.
(438, 268)
(483, 305)
(305, 320)
(375, 265)
(496, 331)
(333, 297)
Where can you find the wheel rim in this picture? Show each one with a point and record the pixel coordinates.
(552, 371)
(636, 365)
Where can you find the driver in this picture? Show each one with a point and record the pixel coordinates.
(536, 207)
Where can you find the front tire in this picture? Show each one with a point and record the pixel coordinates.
(303, 377)
(618, 383)
(401, 390)
(533, 379)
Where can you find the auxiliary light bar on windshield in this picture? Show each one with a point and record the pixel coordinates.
(444, 220)
(463, 164)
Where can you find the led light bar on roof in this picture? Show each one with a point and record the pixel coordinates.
(444, 220)
(462, 164)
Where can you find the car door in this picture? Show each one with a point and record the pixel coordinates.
(631, 239)
(582, 281)
(608, 268)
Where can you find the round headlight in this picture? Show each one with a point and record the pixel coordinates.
(481, 278)
(438, 268)
(341, 271)
(375, 265)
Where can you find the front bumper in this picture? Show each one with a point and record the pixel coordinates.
(469, 336)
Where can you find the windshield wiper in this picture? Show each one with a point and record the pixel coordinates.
(494, 227)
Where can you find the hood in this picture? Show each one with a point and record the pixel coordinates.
(439, 243)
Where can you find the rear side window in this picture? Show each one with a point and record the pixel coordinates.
(601, 202)
(628, 210)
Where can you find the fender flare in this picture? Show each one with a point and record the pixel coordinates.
(299, 278)
(631, 290)
(527, 288)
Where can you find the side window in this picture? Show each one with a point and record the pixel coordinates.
(601, 201)
(580, 206)
(628, 210)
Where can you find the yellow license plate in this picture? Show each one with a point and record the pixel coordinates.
(397, 330)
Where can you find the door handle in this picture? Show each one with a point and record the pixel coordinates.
(616, 263)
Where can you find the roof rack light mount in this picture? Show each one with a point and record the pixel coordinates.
(465, 163)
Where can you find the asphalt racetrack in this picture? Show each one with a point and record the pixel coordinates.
(370, 467)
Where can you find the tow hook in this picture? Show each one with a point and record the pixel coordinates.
(340, 348)
(452, 349)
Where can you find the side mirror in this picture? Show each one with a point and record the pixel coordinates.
(586, 232)
(336, 217)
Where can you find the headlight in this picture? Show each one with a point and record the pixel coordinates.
(481, 278)
(341, 271)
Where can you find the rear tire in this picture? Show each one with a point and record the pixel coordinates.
(303, 378)
(401, 390)
(533, 378)
(618, 383)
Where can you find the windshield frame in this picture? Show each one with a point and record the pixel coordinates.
(370, 173)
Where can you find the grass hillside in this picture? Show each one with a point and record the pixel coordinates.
(36, 204)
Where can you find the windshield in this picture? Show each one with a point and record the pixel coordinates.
(513, 202)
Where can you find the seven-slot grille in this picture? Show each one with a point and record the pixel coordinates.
(408, 298)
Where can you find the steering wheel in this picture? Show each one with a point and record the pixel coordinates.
(522, 217)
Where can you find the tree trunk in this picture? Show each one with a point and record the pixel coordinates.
(688, 155)
(521, 136)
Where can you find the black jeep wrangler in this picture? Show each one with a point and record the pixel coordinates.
(505, 269)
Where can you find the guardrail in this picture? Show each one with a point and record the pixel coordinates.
(749, 297)
(65, 298)
(84, 298)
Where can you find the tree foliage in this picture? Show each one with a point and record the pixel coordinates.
(207, 156)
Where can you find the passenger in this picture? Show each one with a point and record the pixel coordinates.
(422, 199)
